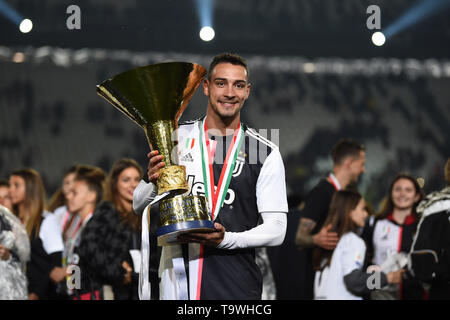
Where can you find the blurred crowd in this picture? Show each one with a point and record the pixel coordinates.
(84, 243)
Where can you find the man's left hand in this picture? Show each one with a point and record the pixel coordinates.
(212, 238)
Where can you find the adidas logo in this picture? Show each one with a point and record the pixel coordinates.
(187, 157)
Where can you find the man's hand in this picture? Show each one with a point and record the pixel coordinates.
(4, 253)
(154, 165)
(58, 274)
(129, 271)
(395, 276)
(326, 239)
(209, 238)
(33, 296)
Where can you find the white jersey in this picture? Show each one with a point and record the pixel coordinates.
(51, 233)
(347, 256)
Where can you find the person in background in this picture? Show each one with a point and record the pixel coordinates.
(14, 254)
(5, 197)
(64, 224)
(58, 201)
(123, 178)
(348, 164)
(389, 236)
(340, 273)
(28, 198)
(99, 243)
(429, 259)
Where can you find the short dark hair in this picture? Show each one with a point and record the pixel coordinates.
(4, 183)
(94, 177)
(228, 58)
(346, 148)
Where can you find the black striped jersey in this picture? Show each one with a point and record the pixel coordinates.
(257, 185)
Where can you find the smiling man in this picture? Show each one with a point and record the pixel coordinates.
(249, 211)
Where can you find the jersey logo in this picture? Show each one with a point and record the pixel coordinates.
(358, 259)
(198, 189)
(187, 158)
(189, 143)
(238, 166)
(385, 232)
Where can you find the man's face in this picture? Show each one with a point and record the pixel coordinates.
(357, 166)
(68, 183)
(79, 197)
(227, 90)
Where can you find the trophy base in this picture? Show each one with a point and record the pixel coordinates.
(168, 235)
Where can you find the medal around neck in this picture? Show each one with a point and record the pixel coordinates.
(154, 97)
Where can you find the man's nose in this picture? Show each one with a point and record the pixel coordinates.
(229, 91)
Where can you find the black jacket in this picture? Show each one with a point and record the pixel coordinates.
(105, 244)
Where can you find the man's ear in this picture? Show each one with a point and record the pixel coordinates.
(92, 197)
(347, 163)
(206, 87)
(248, 90)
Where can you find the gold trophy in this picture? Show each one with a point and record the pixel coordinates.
(154, 97)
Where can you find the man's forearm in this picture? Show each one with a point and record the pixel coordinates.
(305, 241)
(304, 238)
(270, 233)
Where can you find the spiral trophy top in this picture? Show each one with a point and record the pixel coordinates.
(154, 92)
(154, 97)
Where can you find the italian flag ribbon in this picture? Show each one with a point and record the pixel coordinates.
(216, 196)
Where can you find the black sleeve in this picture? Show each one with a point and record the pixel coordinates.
(317, 203)
(38, 268)
(356, 282)
(443, 268)
(55, 260)
(367, 236)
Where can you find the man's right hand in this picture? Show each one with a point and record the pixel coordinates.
(154, 165)
(395, 277)
(58, 274)
(325, 238)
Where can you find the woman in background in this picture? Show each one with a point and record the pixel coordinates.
(389, 236)
(340, 274)
(58, 201)
(28, 199)
(123, 178)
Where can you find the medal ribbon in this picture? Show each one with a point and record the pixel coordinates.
(217, 196)
(208, 177)
(334, 181)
